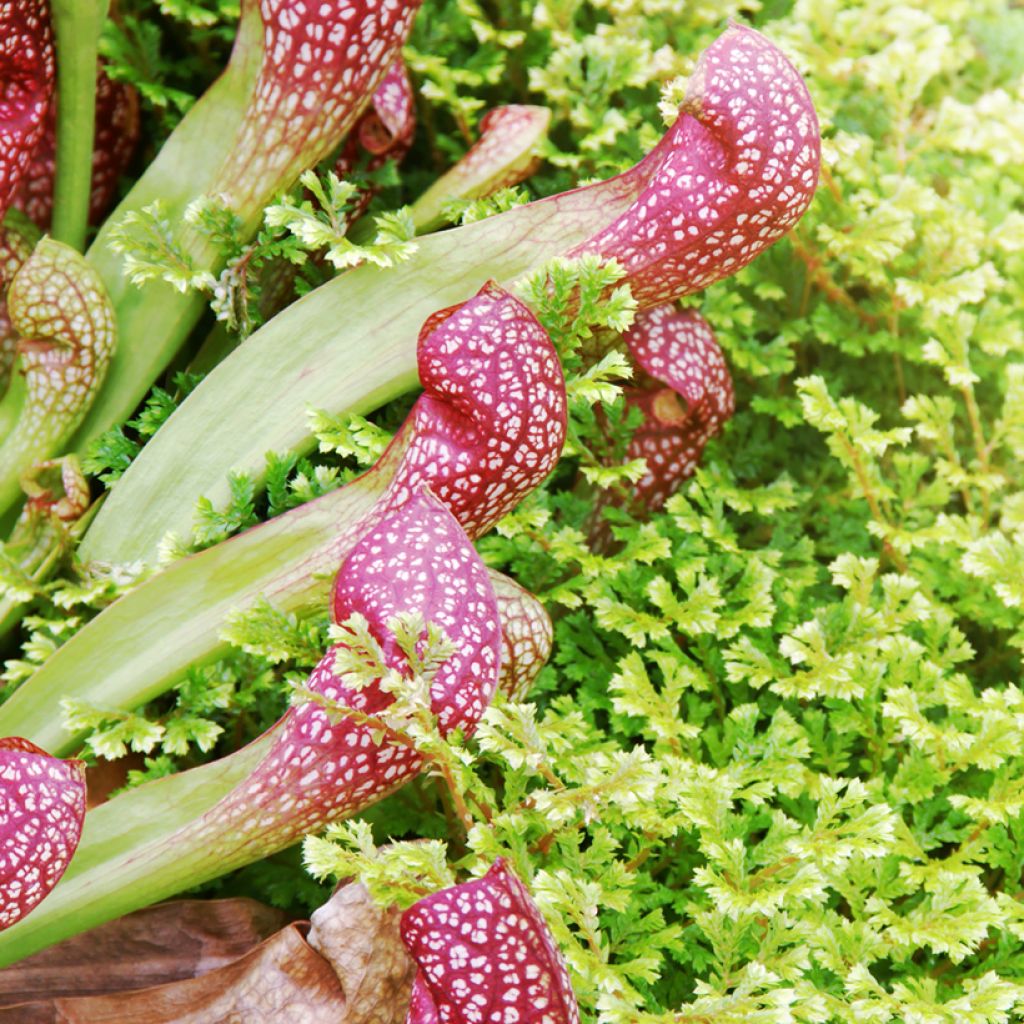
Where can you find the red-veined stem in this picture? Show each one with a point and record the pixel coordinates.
(504, 155)
(321, 64)
(416, 560)
(59, 308)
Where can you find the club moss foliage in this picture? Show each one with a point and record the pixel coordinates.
(774, 771)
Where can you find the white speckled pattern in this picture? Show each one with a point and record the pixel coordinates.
(526, 636)
(734, 173)
(676, 348)
(491, 422)
(58, 305)
(486, 956)
(417, 559)
(42, 807)
(27, 71)
(322, 62)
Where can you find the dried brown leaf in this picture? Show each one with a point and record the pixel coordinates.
(353, 970)
(281, 980)
(168, 942)
(106, 777)
(361, 941)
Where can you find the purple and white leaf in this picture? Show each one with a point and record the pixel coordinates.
(526, 636)
(680, 358)
(736, 171)
(27, 73)
(42, 808)
(321, 64)
(491, 422)
(417, 560)
(485, 953)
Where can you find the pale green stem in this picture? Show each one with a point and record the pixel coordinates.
(153, 321)
(41, 564)
(77, 25)
(347, 347)
(42, 567)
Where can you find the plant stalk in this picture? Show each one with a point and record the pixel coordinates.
(76, 25)
(348, 346)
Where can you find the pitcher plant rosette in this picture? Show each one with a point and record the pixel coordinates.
(277, 175)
